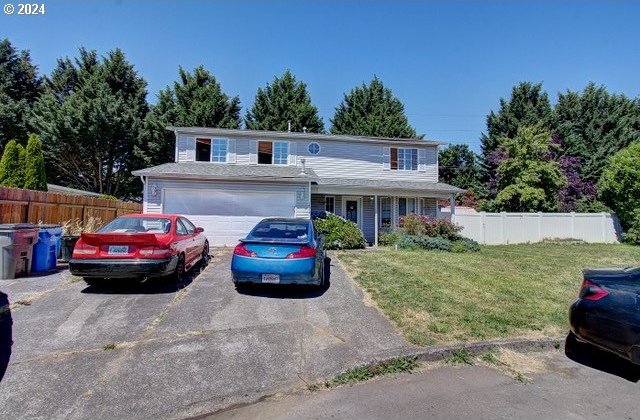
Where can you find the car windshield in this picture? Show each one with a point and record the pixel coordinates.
(137, 224)
(280, 230)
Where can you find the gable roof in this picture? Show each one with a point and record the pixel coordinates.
(284, 135)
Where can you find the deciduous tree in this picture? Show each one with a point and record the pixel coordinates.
(619, 184)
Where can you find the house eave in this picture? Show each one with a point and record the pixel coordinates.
(285, 135)
(196, 177)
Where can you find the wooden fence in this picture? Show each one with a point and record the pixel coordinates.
(19, 206)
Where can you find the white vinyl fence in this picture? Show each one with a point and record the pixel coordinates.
(515, 228)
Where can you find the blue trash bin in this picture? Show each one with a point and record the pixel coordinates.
(55, 230)
(45, 250)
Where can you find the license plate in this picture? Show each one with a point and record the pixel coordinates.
(118, 249)
(271, 278)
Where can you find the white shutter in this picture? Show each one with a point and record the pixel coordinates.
(253, 151)
(231, 151)
(422, 160)
(291, 160)
(386, 158)
(191, 151)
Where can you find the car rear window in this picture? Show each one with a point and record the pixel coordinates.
(137, 224)
(280, 230)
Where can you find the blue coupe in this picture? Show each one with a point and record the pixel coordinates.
(281, 251)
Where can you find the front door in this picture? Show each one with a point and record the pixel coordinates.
(351, 211)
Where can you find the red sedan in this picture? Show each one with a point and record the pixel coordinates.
(140, 246)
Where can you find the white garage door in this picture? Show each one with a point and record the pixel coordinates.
(227, 216)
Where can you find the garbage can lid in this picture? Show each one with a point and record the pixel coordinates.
(49, 226)
(17, 226)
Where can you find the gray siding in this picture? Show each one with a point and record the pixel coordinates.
(153, 203)
(336, 158)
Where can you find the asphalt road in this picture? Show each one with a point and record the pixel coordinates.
(156, 351)
(560, 388)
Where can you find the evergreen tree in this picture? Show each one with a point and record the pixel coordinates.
(619, 185)
(528, 105)
(34, 172)
(284, 100)
(458, 166)
(90, 119)
(20, 86)
(595, 125)
(12, 165)
(528, 180)
(196, 99)
(371, 110)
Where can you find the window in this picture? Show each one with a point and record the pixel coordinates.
(424, 206)
(276, 153)
(265, 152)
(406, 206)
(280, 153)
(403, 159)
(203, 150)
(220, 148)
(181, 228)
(188, 225)
(385, 212)
(137, 224)
(314, 148)
(281, 230)
(330, 204)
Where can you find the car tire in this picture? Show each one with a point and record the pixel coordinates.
(205, 254)
(179, 271)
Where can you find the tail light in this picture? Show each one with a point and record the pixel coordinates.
(242, 250)
(304, 252)
(155, 251)
(592, 291)
(84, 249)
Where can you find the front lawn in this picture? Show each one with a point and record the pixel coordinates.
(501, 291)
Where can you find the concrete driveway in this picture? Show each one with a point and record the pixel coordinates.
(149, 351)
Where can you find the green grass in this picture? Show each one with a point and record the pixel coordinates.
(460, 357)
(501, 291)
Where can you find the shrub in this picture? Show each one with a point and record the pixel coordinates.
(34, 175)
(12, 165)
(389, 238)
(632, 235)
(586, 205)
(424, 242)
(465, 245)
(619, 184)
(340, 233)
(416, 225)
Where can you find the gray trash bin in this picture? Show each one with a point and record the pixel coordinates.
(17, 248)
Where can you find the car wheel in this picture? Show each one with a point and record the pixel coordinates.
(179, 271)
(205, 253)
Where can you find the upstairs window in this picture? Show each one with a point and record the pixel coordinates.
(273, 153)
(220, 149)
(403, 159)
(203, 150)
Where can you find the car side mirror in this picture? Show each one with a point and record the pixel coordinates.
(199, 229)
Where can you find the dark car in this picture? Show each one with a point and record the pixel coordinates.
(607, 311)
(281, 251)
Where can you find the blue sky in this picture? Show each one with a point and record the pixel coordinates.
(448, 61)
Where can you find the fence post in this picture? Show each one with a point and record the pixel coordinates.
(539, 226)
(503, 218)
(603, 219)
(483, 239)
(573, 225)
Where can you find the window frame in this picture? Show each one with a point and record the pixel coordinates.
(179, 224)
(226, 150)
(309, 148)
(195, 151)
(274, 147)
(333, 204)
(398, 159)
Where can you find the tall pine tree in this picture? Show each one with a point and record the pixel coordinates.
(90, 119)
(196, 99)
(594, 125)
(283, 101)
(371, 110)
(20, 87)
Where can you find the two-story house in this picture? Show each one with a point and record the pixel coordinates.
(227, 180)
